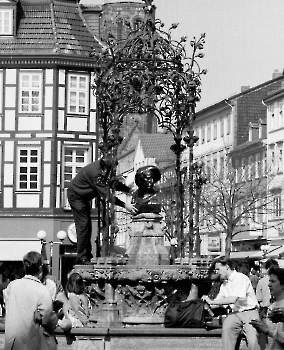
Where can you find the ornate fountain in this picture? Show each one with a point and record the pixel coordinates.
(148, 72)
(137, 290)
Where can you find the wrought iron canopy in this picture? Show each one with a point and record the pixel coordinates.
(149, 72)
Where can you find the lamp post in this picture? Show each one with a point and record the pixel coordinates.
(199, 180)
(41, 235)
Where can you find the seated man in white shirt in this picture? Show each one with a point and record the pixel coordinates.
(236, 291)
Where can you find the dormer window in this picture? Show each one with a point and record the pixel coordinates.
(8, 10)
(6, 21)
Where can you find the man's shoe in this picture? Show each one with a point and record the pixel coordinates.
(83, 262)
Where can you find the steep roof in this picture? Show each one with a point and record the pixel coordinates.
(47, 27)
(158, 146)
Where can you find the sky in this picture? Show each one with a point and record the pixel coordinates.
(244, 41)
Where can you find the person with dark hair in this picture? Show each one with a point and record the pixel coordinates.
(29, 310)
(79, 311)
(273, 326)
(59, 298)
(264, 297)
(91, 182)
(237, 292)
(262, 290)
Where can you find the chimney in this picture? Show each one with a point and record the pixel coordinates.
(245, 88)
(276, 74)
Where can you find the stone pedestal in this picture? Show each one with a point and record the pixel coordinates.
(147, 242)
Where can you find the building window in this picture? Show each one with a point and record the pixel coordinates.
(30, 92)
(202, 134)
(257, 166)
(243, 176)
(222, 167)
(78, 92)
(280, 159)
(208, 132)
(1, 92)
(272, 159)
(277, 206)
(74, 160)
(215, 129)
(222, 126)
(28, 169)
(6, 22)
(137, 23)
(228, 124)
(264, 164)
(251, 174)
(272, 121)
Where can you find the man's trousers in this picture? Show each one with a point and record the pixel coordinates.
(234, 324)
(81, 210)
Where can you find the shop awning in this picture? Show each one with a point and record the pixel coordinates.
(244, 255)
(252, 254)
(275, 253)
(14, 250)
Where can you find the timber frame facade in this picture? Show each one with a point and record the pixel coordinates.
(48, 127)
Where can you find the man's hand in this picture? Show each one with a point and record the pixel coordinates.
(131, 208)
(260, 326)
(207, 299)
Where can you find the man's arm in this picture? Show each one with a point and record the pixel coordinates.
(130, 207)
(221, 301)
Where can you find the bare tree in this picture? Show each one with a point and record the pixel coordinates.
(235, 199)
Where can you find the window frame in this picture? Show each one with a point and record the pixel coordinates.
(30, 90)
(29, 164)
(77, 91)
(73, 164)
(10, 25)
(228, 124)
(222, 127)
(277, 207)
(1, 91)
(215, 131)
(209, 132)
(202, 134)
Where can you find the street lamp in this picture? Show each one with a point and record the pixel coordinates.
(41, 235)
(199, 180)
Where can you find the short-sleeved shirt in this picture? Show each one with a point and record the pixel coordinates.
(238, 285)
(262, 292)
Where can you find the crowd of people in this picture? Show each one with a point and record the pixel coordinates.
(37, 303)
(254, 306)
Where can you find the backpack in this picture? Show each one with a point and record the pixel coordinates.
(185, 314)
